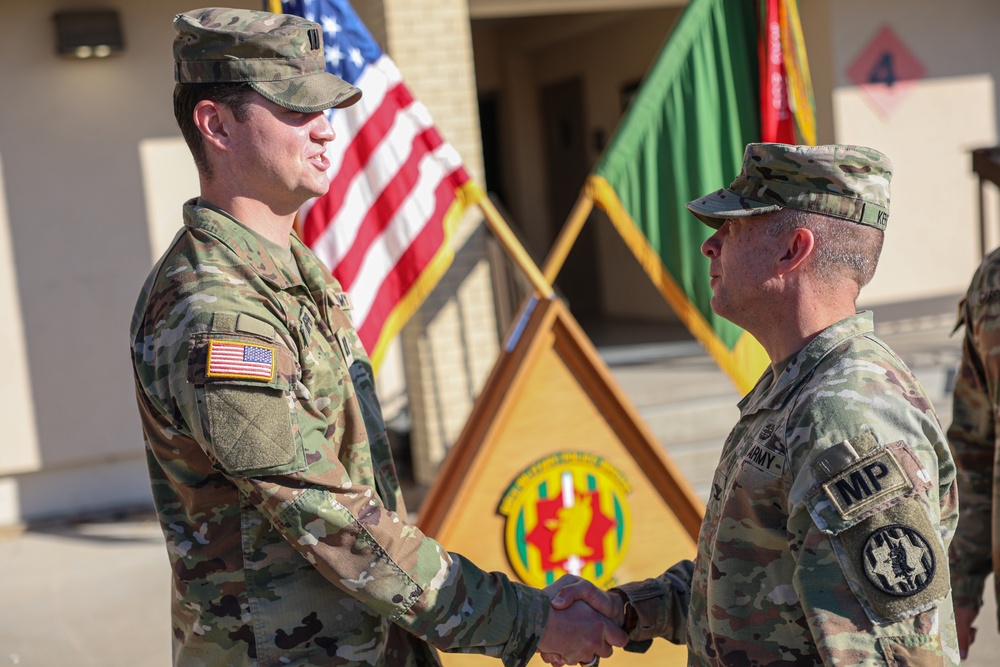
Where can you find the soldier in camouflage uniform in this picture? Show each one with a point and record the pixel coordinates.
(269, 462)
(826, 532)
(975, 551)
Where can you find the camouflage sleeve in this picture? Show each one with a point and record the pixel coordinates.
(870, 571)
(661, 607)
(403, 575)
(287, 457)
(972, 437)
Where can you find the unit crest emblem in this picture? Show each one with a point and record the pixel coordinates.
(567, 513)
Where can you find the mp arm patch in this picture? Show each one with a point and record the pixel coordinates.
(872, 500)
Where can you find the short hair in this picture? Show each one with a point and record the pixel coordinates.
(843, 248)
(235, 96)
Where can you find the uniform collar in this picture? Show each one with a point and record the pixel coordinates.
(202, 215)
(772, 392)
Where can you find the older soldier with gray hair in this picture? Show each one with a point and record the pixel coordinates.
(268, 457)
(826, 532)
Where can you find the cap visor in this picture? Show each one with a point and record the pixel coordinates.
(315, 92)
(713, 209)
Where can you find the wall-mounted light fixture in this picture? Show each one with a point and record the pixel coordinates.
(95, 33)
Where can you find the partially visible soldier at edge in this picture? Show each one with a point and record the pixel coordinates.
(826, 532)
(975, 551)
(269, 462)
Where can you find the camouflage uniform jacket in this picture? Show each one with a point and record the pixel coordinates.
(273, 480)
(975, 551)
(825, 536)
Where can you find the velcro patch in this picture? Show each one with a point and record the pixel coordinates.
(895, 561)
(834, 459)
(234, 359)
(765, 459)
(898, 560)
(342, 299)
(867, 482)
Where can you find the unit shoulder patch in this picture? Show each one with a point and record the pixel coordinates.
(898, 560)
(895, 561)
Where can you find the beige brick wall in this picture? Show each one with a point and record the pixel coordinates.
(431, 43)
(451, 344)
(372, 14)
(449, 349)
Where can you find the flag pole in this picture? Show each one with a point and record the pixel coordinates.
(514, 248)
(567, 236)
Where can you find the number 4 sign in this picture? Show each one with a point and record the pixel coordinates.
(886, 70)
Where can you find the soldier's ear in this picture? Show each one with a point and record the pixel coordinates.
(799, 245)
(212, 120)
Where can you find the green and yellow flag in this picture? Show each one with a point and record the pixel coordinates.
(684, 136)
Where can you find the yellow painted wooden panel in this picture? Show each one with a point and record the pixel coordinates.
(553, 413)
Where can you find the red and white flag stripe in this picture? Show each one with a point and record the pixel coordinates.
(396, 194)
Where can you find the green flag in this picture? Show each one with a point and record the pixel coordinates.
(684, 136)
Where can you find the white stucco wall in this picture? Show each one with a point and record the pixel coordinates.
(933, 236)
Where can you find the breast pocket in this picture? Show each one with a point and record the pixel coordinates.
(753, 505)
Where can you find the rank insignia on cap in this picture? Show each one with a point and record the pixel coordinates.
(898, 560)
(229, 359)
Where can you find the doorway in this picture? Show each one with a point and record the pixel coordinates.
(567, 166)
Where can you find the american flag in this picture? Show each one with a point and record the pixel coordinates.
(398, 190)
(240, 360)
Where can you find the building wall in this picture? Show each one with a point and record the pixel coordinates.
(451, 343)
(948, 111)
(76, 139)
(931, 246)
(93, 172)
(609, 57)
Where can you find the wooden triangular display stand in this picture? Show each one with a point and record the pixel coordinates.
(554, 444)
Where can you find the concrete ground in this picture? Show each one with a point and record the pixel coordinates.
(96, 593)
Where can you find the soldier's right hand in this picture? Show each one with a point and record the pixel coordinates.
(583, 625)
(578, 635)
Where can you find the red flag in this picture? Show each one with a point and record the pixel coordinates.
(776, 122)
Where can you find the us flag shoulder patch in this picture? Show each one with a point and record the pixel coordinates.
(229, 359)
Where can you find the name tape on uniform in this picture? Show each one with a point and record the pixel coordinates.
(765, 459)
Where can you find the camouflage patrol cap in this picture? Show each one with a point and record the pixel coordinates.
(279, 55)
(847, 182)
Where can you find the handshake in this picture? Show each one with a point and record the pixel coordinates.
(585, 623)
